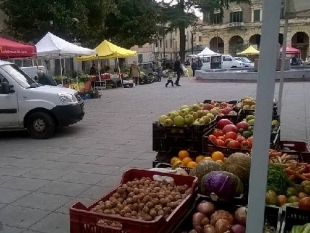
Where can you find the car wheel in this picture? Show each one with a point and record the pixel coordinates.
(40, 125)
(234, 67)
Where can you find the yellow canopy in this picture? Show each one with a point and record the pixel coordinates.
(107, 50)
(249, 51)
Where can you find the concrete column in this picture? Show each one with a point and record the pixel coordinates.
(226, 46)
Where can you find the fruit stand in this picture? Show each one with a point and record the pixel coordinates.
(199, 182)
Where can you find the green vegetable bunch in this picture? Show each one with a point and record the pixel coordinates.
(277, 179)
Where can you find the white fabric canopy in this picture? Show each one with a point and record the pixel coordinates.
(54, 47)
(206, 52)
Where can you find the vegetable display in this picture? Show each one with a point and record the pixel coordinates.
(301, 229)
(143, 199)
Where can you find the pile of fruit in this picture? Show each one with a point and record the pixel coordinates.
(208, 219)
(196, 114)
(288, 181)
(227, 134)
(184, 159)
(247, 103)
(250, 120)
(144, 199)
(223, 108)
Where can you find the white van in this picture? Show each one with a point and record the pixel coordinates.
(227, 62)
(25, 104)
(32, 71)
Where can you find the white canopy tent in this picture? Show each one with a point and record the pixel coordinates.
(206, 52)
(293, 9)
(264, 103)
(53, 47)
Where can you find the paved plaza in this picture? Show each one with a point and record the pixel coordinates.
(41, 179)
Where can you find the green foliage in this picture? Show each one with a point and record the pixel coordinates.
(134, 22)
(30, 20)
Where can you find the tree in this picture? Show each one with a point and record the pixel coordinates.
(135, 22)
(180, 15)
(82, 19)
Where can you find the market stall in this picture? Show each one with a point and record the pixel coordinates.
(12, 49)
(290, 50)
(250, 51)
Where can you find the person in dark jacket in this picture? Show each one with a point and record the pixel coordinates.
(45, 79)
(93, 70)
(194, 67)
(178, 69)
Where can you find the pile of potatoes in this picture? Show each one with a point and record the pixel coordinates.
(144, 199)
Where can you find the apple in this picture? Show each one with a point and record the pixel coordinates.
(232, 113)
(211, 116)
(201, 121)
(189, 119)
(195, 115)
(223, 111)
(222, 123)
(249, 117)
(168, 122)
(242, 125)
(162, 119)
(183, 112)
(214, 111)
(230, 128)
(195, 107)
(207, 107)
(206, 119)
(184, 106)
(179, 121)
(196, 122)
(200, 113)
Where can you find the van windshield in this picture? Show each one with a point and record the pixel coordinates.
(18, 75)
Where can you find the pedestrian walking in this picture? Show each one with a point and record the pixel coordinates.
(194, 67)
(170, 77)
(159, 71)
(135, 72)
(178, 69)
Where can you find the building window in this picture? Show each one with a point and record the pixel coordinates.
(140, 46)
(282, 13)
(140, 58)
(217, 18)
(199, 38)
(236, 17)
(160, 43)
(256, 16)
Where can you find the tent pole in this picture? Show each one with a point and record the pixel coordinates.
(263, 115)
(62, 79)
(283, 57)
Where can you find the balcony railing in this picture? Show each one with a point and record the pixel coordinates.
(235, 24)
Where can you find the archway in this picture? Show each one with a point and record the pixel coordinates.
(236, 45)
(300, 40)
(217, 44)
(280, 39)
(255, 40)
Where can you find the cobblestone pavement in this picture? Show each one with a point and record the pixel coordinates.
(40, 179)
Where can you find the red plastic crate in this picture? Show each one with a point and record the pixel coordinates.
(82, 220)
(294, 146)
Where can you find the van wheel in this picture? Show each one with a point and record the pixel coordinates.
(40, 125)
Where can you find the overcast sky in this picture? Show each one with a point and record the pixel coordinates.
(199, 14)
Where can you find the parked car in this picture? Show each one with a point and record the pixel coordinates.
(147, 67)
(247, 62)
(226, 62)
(25, 104)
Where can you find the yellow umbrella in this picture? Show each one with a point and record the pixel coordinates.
(107, 50)
(249, 51)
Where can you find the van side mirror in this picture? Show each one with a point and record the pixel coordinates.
(6, 88)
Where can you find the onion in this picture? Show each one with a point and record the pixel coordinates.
(237, 229)
(196, 220)
(206, 208)
(209, 229)
(241, 215)
(221, 226)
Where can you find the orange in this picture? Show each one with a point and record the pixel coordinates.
(186, 160)
(208, 158)
(217, 155)
(174, 159)
(183, 154)
(191, 164)
(199, 158)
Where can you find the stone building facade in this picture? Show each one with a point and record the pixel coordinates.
(241, 26)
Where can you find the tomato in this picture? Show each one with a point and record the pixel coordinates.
(231, 135)
(245, 145)
(219, 142)
(240, 138)
(227, 141)
(221, 137)
(233, 144)
(217, 133)
(250, 140)
(212, 138)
